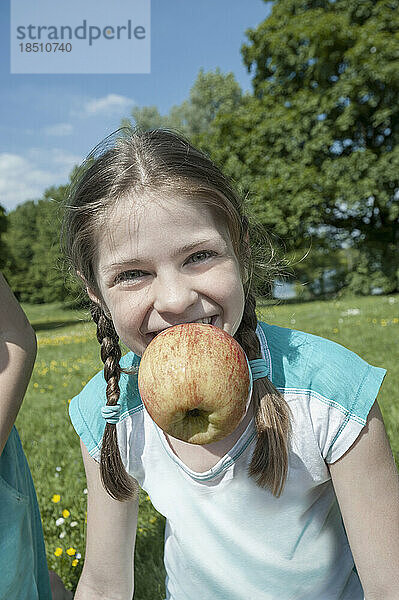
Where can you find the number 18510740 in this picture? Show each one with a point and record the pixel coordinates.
(47, 47)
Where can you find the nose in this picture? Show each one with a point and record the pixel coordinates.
(173, 293)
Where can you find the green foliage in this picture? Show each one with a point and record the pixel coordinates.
(211, 93)
(20, 238)
(3, 228)
(327, 269)
(34, 264)
(46, 275)
(316, 145)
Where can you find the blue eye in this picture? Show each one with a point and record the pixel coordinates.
(128, 275)
(202, 255)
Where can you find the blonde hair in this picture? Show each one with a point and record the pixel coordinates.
(161, 159)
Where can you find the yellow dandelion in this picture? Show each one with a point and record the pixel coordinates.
(395, 320)
(65, 513)
(335, 330)
(374, 320)
(140, 530)
(383, 323)
(74, 562)
(58, 551)
(153, 519)
(56, 498)
(35, 385)
(69, 401)
(71, 551)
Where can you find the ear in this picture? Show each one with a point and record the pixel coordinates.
(97, 300)
(93, 297)
(90, 292)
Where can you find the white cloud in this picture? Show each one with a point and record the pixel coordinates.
(26, 177)
(59, 129)
(110, 105)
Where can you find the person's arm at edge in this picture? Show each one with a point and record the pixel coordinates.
(366, 484)
(17, 356)
(108, 571)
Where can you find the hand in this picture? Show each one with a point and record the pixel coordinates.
(57, 588)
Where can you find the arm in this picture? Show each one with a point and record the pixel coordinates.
(366, 483)
(58, 590)
(17, 357)
(108, 571)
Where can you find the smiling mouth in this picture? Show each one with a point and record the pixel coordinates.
(204, 320)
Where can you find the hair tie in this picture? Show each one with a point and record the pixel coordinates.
(111, 413)
(258, 368)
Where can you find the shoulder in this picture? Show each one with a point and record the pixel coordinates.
(301, 360)
(286, 350)
(85, 407)
(337, 387)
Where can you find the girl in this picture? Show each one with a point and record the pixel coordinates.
(159, 237)
(23, 565)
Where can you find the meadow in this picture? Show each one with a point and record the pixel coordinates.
(68, 356)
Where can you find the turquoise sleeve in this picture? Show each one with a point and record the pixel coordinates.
(343, 377)
(85, 413)
(85, 408)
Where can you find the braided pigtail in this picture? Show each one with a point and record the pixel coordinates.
(269, 464)
(113, 475)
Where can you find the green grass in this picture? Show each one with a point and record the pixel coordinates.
(68, 357)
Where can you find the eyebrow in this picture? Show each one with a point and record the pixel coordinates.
(179, 251)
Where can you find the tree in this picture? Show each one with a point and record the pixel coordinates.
(20, 238)
(34, 265)
(315, 146)
(47, 276)
(3, 228)
(211, 93)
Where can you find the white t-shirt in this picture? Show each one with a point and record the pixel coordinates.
(225, 537)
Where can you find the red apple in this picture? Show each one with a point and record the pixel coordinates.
(194, 381)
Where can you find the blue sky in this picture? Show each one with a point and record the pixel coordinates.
(48, 123)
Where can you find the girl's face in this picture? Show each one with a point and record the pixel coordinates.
(158, 266)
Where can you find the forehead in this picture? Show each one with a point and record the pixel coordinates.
(140, 222)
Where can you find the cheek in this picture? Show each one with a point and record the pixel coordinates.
(121, 313)
(127, 314)
(230, 286)
(234, 299)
